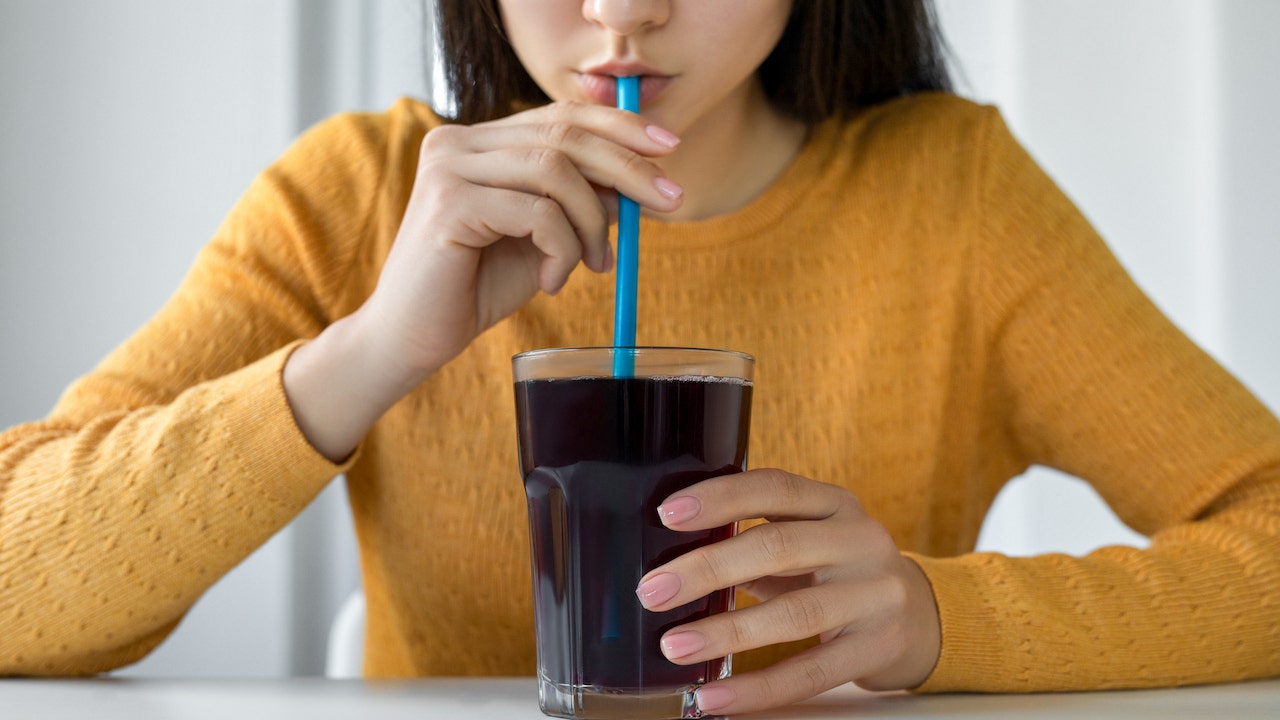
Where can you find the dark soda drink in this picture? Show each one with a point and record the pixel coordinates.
(598, 455)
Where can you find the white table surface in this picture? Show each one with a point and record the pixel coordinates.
(516, 699)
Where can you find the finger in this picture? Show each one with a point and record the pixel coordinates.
(548, 173)
(767, 493)
(517, 214)
(786, 549)
(794, 616)
(600, 159)
(623, 127)
(609, 199)
(797, 678)
(551, 234)
(820, 611)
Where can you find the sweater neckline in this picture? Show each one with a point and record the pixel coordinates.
(764, 211)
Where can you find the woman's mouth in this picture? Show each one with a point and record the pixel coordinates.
(602, 87)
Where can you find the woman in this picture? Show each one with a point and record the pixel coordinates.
(931, 317)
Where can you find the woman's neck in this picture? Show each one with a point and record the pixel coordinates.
(731, 156)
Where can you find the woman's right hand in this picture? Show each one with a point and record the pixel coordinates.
(499, 211)
(503, 209)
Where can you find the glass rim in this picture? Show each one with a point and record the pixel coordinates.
(635, 349)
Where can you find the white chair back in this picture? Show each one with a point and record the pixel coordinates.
(345, 656)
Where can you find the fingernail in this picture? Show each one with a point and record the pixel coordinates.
(682, 644)
(668, 188)
(662, 136)
(658, 589)
(679, 509)
(608, 258)
(713, 697)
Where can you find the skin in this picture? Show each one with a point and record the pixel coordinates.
(501, 211)
(713, 101)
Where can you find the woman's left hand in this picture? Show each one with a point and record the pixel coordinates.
(820, 566)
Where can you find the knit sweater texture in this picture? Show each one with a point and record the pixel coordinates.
(930, 315)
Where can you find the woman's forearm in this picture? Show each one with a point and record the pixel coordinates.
(340, 383)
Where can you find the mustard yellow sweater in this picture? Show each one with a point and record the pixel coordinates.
(930, 317)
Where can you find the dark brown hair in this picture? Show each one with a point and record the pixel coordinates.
(834, 56)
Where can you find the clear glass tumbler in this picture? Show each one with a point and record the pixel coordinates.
(599, 452)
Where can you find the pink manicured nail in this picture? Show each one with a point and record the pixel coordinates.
(713, 697)
(662, 136)
(668, 188)
(682, 644)
(679, 509)
(658, 589)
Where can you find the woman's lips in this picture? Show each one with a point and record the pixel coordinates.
(603, 89)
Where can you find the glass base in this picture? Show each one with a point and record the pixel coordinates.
(595, 703)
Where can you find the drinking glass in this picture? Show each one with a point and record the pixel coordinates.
(599, 452)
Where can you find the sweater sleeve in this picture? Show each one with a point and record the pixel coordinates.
(1094, 380)
(178, 455)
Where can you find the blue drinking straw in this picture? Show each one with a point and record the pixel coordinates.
(624, 318)
(624, 302)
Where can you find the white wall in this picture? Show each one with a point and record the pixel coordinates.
(128, 128)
